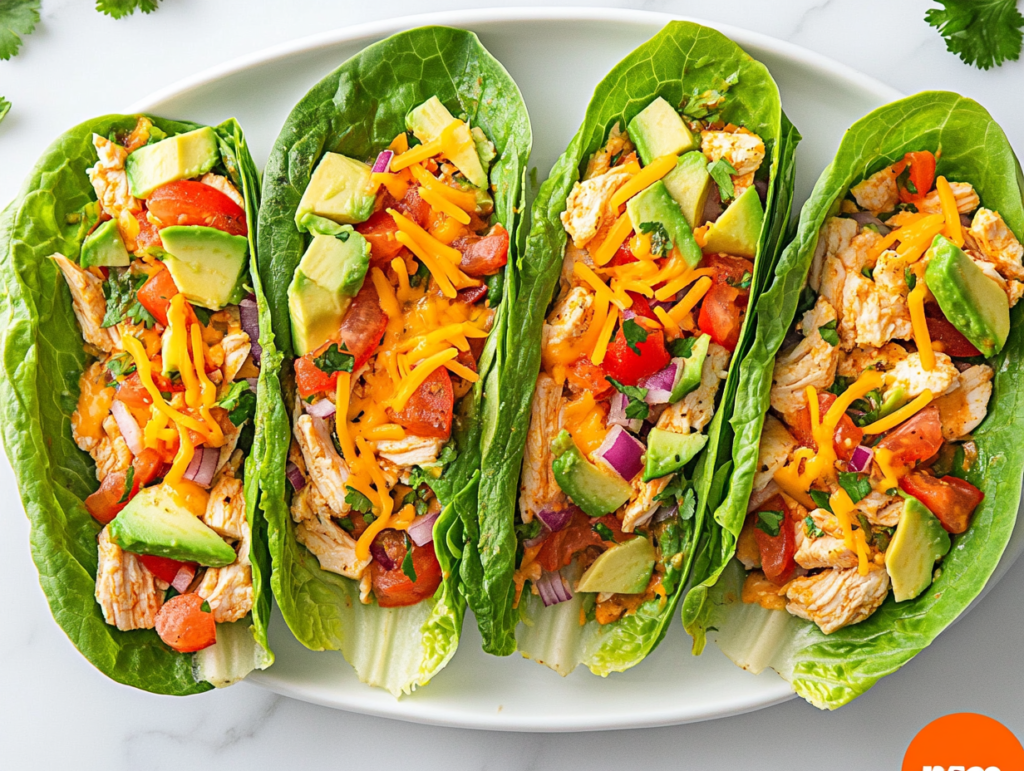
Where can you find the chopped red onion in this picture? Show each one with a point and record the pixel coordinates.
(252, 381)
(867, 218)
(321, 409)
(712, 206)
(623, 452)
(861, 459)
(617, 414)
(760, 496)
(184, 577)
(130, 431)
(553, 589)
(665, 512)
(295, 476)
(380, 554)
(555, 520)
(665, 305)
(965, 221)
(249, 317)
(421, 531)
(529, 543)
(383, 162)
(204, 463)
(659, 385)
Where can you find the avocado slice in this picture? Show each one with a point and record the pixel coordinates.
(339, 190)
(623, 569)
(693, 365)
(738, 230)
(972, 302)
(208, 265)
(689, 184)
(658, 130)
(595, 491)
(156, 522)
(179, 157)
(105, 247)
(329, 275)
(920, 540)
(429, 119)
(653, 204)
(668, 452)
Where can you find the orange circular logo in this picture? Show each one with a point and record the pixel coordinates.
(964, 742)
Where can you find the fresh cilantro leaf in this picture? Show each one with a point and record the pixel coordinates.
(604, 531)
(867, 273)
(407, 566)
(121, 365)
(634, 334)
(334, 360)
(358, 501)
(129, 481)
(526, 531)
(811, 528)
(346, 524)
(636, 407)
(720, 171)
(807, 299)
(121, 292)
(687, 506)
(205, 607)
(743, 283)
(820, 498)
(984, 33)
(615, 158)
(203, 314)
(910, 278)
(770, 522)
(857, 487)
(240, 402)
(17, 19)
(828, 333)
(118, 9)
(422, 274)
(682, 347)
(5, 107)
(840, 384)
(661, 241)
(674, 490)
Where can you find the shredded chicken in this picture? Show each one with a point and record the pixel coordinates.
(236, 346)
(825, 551)
(570, 318)
(229, 589)
(588, 205)
(410, 451)
(695, 410)
(963, 409)
(966, 199)
(997, 243)
(812, 362)
(837, 598)
(126, 592)
(111, 453)
(641, 506)
(881, 509)
(774, 450)
(109, 179)
(326, 469)
(853, 363)
(334, 549)
(618, 143)
(827, 275)
(538, 489)
(874, 311)
(878, 193)
(911, 376)
(225, 511)
(744, 150)
(89, 304)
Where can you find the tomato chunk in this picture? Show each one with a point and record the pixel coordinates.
(380, 231)
(721, 315)
(164, 568)
(777, 551)
(940, 330)
(392, 587)
(561, 547)
(429, 410)
(584, 375)
(309, 379)
(363, 325)
(921, 176)
(951, 499)
(184, 625)
(629, 367)
(483, 256)
(847, 435)
(155, 295)
(729, 270)
(641, 307)
(918, 438)
(148, 236)
(106, 503)
(624, 255)
(188, 202)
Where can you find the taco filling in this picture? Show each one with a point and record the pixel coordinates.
(860, 485)
(166, 405)
(663, 228)
(390, 306)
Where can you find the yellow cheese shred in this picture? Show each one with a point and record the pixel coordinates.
(182, 459)
(954, 231)
(416, 154)
(386, 432)
(842, 507)
(616, 237)
(433, 265)
(208, 391)
(891, 474)
(462, 371)
(672, 288)
(402, 271)
(923, 339)
(466, 201)
(417, 376)
(668, 322)
(395, 184)
(145, 370)
(589, 276)
(648, 175)
(903, 413)
(601, 347)
(690, 299)
(443, 205)
(385, 293)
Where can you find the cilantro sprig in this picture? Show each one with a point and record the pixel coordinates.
(661, 241)
(636, 407)
(634, 335)
(984, 33)
(721, 171)
(334, 360)
(770, 522)
(239, 401)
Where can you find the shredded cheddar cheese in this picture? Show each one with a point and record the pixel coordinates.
(603, 338)
(903, 413)
(647, 176)
(923, 339)
(690, 299)
(954, 231)
(415, 378)
(617, 235)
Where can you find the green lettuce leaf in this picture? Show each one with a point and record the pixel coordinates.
(42, 359)
(830, 670)
(357, 110)
(683, 60)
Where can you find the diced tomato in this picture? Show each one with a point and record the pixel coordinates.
(309, 379)
(155, 295)
(584, 375)
(411, 205)
(188, 202)
(641, 307)
(628, 367)
(148, 236)
(132, 392)
(380, 231)
(777, 551)
(429, 410)
(721, 315)
(184, 625)
(847, 435)
(729, 270)
(940, 330)
(473, 294)
(106, 503)
(951, 499)
(392, 588)
(363, 325)
(559, 548)
(915, 439)
(163, 568)
(624, 255)
(921, 176)
(483, 256)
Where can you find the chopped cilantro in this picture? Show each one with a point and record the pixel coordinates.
(811, 528)
(121, 291)
(604, 531)
(840, 384)
(820, 498)
(346, 524)
(720, 171)
(910, 278)
(636, 407)
(682, 348)
(634, 334)
(358, 501)
(121, 365)
(743, 283)
(120, 8)
(205, 607)
(770, 522)
(704, 105)
(334, 360)
(240, 402)
(867, 273)
(687, 506)
(203, 314)
(661, 241)
(407, 565)
(526, 531)
(674, 490)
(17, 19)
(866, 527)
(5, 107)
(828, 333)
(856, 487)
(129, 481)
(422, 274)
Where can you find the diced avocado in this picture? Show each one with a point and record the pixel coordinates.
(339, 190)
(693, 365)
(485, 149)
(623, 569)
(910, 559)
(179, 157)
(157, 522)
(105, 247)
(427, 121)
(737, 231)
(595, 491)
(972, 302)
(654, 205)
(208, 265)
(688, 183)
(329, 275)
(667, 452)
(658, 130)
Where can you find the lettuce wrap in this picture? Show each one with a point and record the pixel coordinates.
(829, 670)
(350, 117)
(44, 357)
(718, 87)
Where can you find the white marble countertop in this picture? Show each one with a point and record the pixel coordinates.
(55, 710)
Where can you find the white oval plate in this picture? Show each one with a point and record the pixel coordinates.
(556, 56)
